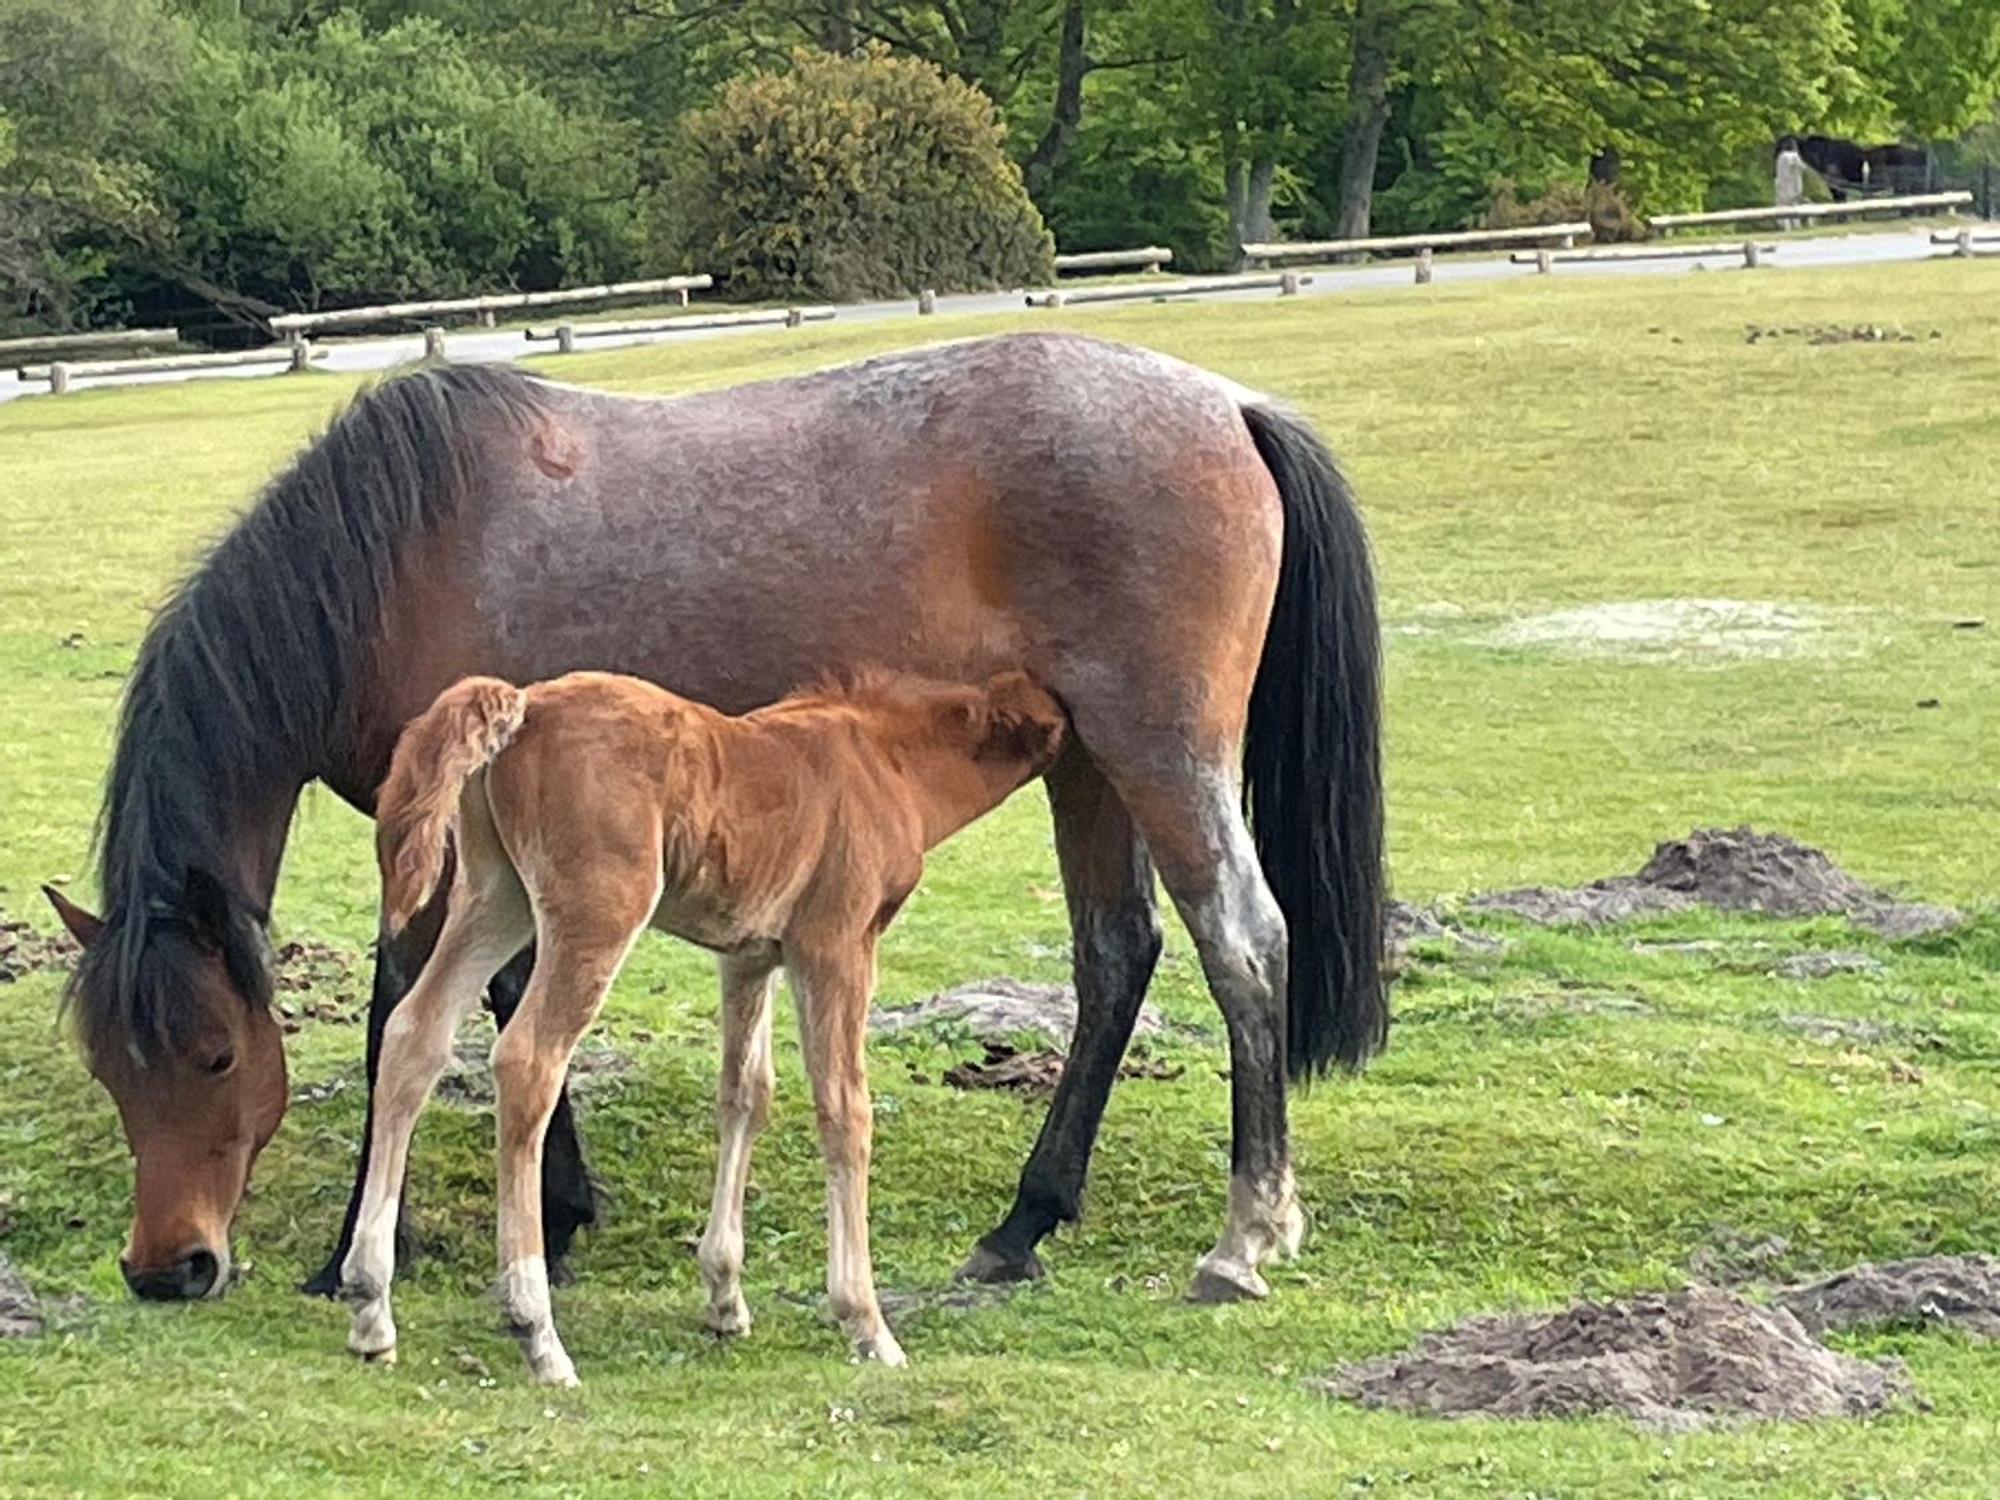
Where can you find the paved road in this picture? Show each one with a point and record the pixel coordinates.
(476, 346)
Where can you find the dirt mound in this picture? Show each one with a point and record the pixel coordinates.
(25, 951)
(20, 1313)
(1037, 1072)
(995, 1009)
(1677, 1361)
(1962, 1291)
(1733, 869)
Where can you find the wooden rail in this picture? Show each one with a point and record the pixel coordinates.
(12, 350)
(1634, 252)
(61, 373)
(565, 335)
(1287, 284)
(1968, 241)
(1451, 239)
(1148, 258)
(485, 307)
(1904, 203)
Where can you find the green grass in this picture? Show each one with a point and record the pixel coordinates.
(1521, 447)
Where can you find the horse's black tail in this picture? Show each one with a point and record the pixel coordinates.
(1312, 782)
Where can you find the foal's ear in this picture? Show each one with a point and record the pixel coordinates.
(1027, 720)
(81, 924)
(205, 901)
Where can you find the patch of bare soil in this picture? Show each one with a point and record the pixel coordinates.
(1404, 924)
(1732, 869)
(317, 982)
(468, 1078)
(1835, 333)
(1825, 963)
(20, 1312)
(1961, 1291)
(1845, 1031)
(1036, 1071)
(995, 1009)
(1677, 1361)
(25, 951)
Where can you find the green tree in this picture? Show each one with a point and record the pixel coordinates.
(866, 175)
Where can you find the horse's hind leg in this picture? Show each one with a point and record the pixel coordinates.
(583, 944)
(742, 1108)
(569, 1201)
(486, 927)
(1209, 865)
(1115, 933)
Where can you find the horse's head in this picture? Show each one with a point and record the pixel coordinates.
(173, 1012)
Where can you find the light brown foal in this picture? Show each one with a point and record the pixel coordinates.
(589, 808)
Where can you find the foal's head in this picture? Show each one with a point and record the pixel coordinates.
(963, 749)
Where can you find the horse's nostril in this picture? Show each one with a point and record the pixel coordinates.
(198, 1274)
(193, 1277)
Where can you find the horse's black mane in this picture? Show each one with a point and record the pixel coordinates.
(243, 687)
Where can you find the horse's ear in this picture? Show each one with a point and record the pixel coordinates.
(205, 901)
(81, 924)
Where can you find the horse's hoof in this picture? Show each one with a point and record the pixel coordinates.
(1292, 1233)
(560, 1273)
(988, 1265)
(555, 1370)
(727, 1322)
(1217, 1281)
(882, 1349)
(386, 1358)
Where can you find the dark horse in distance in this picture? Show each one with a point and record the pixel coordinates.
(1177, 559)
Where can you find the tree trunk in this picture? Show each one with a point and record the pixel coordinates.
(836, 27)
(1256, 224)
(1064, 119)
(1361, 142)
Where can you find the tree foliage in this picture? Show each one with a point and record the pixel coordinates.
(856, 176)
(251, 155)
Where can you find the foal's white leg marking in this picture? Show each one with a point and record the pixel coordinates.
(833, 1018)
(742, 1106)
(524, 1299)
(481, 933)
(529, 1062)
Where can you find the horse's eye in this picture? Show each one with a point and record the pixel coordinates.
(221, 1065)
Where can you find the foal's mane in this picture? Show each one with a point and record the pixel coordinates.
(244, 684)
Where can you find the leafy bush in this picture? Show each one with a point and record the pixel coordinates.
(1599, 204)
(856, 176)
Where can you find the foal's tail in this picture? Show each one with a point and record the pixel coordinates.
(1313, 757)
(455, 738)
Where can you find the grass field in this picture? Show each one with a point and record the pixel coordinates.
(1523, 449)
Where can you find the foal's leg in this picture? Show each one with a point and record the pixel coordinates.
(485, 928)
(1115, 935)
(832, 990)
(581, 952)
(742, 1108)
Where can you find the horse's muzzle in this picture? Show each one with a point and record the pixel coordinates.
(188, 1280)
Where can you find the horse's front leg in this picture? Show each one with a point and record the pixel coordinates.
(832, 988)
(742, 1109)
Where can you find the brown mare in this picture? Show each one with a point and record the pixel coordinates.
(1175, 557)
(587, 809)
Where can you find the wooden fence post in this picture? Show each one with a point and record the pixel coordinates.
(565, 338)
(301, 356)
(793, 317)
(488, 318)
(1544, 262)
(1288, 284)
(684, 296)
(58, 378)
(926, 302)
(1424, 266)
(434, 342)
(1752, 255)
(1964, 244)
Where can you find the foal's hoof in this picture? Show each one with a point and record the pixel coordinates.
(727, 1320)
(992, 1267)
(882, 1349)
(1218, 1280)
